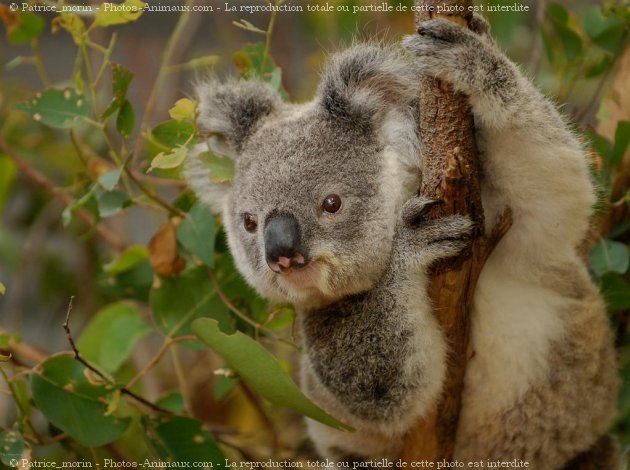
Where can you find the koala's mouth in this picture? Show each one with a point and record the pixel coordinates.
(302, 276)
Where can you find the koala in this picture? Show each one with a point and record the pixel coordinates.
(323, 213)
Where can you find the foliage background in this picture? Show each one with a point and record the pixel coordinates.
(83, 219)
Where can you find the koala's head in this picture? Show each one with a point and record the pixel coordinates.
(311, 212)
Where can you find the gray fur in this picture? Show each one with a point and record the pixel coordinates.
(542, 383)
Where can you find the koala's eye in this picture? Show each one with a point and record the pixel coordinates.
(249, 221)
(332, 203)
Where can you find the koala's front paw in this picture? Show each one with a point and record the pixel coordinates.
(428, 240)
(453, 53)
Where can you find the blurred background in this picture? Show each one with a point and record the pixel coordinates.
(51, 183)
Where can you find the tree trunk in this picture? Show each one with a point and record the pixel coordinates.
(450, 173)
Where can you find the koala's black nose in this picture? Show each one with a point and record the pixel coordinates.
(283, 249)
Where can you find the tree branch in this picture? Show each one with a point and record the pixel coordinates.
(450, 173)
(78, 357)
(107, 235)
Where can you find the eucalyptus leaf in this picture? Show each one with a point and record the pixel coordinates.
(127, 259)
(112, 202)
(616, 292)
(110, 179)
(260, 370)
(62, 109)
(169, 160)
(127, 12)
(609, 256)
(178, 300)
(72, 402)
(110, 336)
(126, 119)
(622, 140)
(12, 447)
(24, 26)
(197, 232)
(174, 133)
(182, 439)
(184, 109)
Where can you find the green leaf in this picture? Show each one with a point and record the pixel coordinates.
(169, 160)
(181, 439)
(129, 11)
(71, 23)
(24, 26)
(602, 145)
(126, 119)
(221, 168)
(62, 109)
(8, 171)
(121, 78)
(110, 179)
(12, 447)
(184, 109)
(249, 61)
(127, 259)
(178, 300)
(622, 140)
(66, 396)
(197, 232)
(173, 401)
(571, 42)
(260, 370)
(609, 257)
(557, 13)
(599, 68)
(111, 335)
(88, 197)
(616, 291)
(3, 289)
(173, 133)
(112, 202)
(605, 31)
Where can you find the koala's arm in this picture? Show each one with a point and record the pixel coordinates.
(378, 359)
(531, 161)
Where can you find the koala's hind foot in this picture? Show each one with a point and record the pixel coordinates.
(422, 240)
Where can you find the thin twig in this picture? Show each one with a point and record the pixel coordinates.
(108, 236)
(181, 380)
(536, 55)
(78, 357)
(158, 356)
(39, 62)
(153, 195)
(257, 326)
(167, 56)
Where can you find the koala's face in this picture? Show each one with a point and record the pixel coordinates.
(308, 218)
(312, 210)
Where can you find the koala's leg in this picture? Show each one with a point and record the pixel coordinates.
(531, 160)
(377, 360)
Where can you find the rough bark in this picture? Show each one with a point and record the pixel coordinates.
(450, 173)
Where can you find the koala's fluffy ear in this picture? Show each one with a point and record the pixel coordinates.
(229, 112)
(366, 80)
